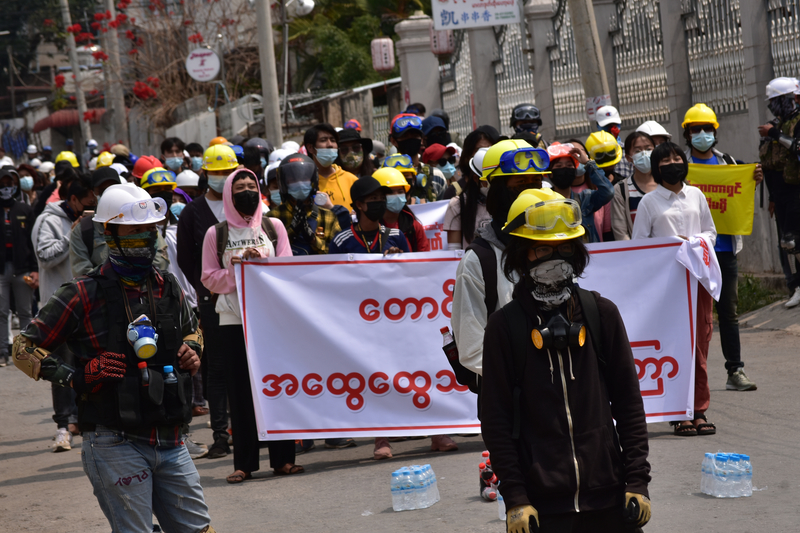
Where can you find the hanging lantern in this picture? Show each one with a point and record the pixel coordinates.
(383, 54)
(442, 42)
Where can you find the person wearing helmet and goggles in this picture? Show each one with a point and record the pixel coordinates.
(398, 215)
(406, 136)
(127, 425)
(543, 348)
(526, 121)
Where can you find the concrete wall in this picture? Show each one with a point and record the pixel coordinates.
(419, 68)
(200, 128)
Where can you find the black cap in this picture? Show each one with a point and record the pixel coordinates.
(349, 135)
(8, 170)
(363, 187)
(104, 174)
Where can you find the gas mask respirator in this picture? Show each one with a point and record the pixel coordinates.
(143, 337)
(559, 333)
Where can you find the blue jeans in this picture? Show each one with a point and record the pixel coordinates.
(133, 481)
(727, 313)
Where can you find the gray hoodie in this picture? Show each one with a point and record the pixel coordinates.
(51, 244)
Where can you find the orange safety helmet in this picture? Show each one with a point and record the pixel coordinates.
(560, 151)
(217, 140)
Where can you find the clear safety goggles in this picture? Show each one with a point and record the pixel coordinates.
(605, 153)
(545, 215)
(140, 212)
(524, 159)
(404, 123)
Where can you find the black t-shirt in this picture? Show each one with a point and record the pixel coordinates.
(8, 236)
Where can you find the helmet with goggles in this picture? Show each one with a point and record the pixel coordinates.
(391, 177)
(297, 168)
(405, 122)
(604, 149)
(401, 162)
(511, 157)
(158, 176)
(525, 112)
(544, 215)
(561, 151)
(128, 204)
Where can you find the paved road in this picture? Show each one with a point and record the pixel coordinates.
(344, 490)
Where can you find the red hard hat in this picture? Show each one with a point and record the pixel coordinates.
(143, 164)
(558, 151)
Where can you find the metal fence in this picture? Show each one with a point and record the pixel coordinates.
(457, 91)
(380, 123)
(716, 53)
(569, 100)
(513, 75)
(639, 62)
(784, 33)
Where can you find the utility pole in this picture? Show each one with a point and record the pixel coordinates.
(11, 80)
(115, 95)
(285, 63)
(86, 131)
(587, 47)
(269, 74)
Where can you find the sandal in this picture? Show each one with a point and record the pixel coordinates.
(684, 428)
(238, 477)
(705, 427)
(295, 469)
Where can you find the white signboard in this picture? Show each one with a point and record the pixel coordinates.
(202, 64)
(431, 216)
(465, 14)
(349, 345)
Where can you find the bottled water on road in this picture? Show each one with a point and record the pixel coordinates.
(726, 475)
(414, 487)
(501, 508)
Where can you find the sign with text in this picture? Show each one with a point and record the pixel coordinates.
(730, 192)
(349, 345)
(465, 14)
(431, 216)
(594, 103)
(202, 64)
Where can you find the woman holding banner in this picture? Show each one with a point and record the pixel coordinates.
(676, 209)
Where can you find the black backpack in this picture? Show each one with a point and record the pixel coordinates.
(87, 234)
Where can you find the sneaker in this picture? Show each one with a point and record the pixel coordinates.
(219, 449)
(303, 446)
(794, 300)
(382, 449)
(338, 444)
(196, 451)
(443, 443)
(63, 441)
(739, 381)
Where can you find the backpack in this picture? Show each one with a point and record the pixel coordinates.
(87, 234)
(222, 236)
(518, 324)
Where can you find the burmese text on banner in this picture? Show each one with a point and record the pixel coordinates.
(349, 345)
(730, 191)
(431, 216)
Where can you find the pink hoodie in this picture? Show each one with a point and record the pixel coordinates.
(222, 280)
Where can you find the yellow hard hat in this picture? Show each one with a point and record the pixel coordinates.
(544, 215)
(105, 159)
(700, 114)
(68, 156)
(158, 176)
(391, 177)
(512, 157)
(217, 140)
(604, 149)
(219, 157)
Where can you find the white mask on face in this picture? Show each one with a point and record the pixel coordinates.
(641, 161)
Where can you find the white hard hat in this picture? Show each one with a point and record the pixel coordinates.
(653, 128)
(128, 204)
(120, 168)
(780, 86)
(279, 154)
(91, 143)
(456, 147)
(476, 163)
(46, 167)
(32, 149)
(36, 162)
(187, 178)
(607, 114)
(291, 145)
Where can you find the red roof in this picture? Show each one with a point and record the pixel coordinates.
(66, 118)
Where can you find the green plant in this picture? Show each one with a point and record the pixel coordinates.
(754, 294)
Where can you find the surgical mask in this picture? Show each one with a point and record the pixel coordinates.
(275, 196)
(673, 173)
(177, 209)
(197, 163)
(448, 170)
(581, 170)
(174, 163)
(703, 141)
(217, 183)
(552, 282)
(375, 210)
(7, 193)
(263, 163)
(326, 156)
(642, 161)
(246, 202)
(409, 146)
(352, 161)
(133, 259)
(300, 190)
(562, 178)
(395, 202)
(26, 183)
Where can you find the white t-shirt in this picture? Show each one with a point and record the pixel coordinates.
(662, 213)
(452, 218)
(217, 208)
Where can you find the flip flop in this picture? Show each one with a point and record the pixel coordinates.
(238, 477)
(295, 469)
(684, 430)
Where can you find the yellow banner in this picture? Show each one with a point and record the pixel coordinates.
(730, 191)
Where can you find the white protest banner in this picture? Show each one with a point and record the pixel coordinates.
(431, 215)
(465, 14)
(349, 345)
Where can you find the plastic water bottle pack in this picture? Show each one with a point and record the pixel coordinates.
(727, 475)
(414, 487)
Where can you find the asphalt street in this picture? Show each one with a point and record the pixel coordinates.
(345, 490)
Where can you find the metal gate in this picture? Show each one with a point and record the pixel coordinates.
(639, 62)
(784, 34)
(569, 99)
(457, 92)
(513, 75)
(716, 54)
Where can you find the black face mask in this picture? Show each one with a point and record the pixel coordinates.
(673, 173)
(164, 195)
(409, 146)
(246, 202)
(562, 178)
(375, 210)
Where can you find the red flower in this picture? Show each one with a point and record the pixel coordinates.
(47, 23)
(105, 30)
(59, 79)
(95, 25)
(153, 81)
(99, 16)
(196, 38)
(99, 55)
(72, 98)
(108, 14)
(187, 22)
(94, 92)
(133, 52)
(90, 115)
(129, 34)
(83, 36)
(114, 24)
(143, 91)
(121, 18)
(139, 42)
(75, 28)
(133, 20)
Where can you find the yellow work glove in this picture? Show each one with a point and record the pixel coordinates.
(522, 519)
(637, 509)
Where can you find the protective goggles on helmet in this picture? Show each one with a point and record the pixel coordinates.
(543, 216)
(604, 153)
(141, 212)
(524, 159)
(526, 113)
(158, 177)
(401, 162)
(405, 123)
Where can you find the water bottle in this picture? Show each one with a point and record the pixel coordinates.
(435, 485)
(735, 476)
(747, 475)
(397, 492)
(169, 375)
(145, 373)
(419, 489)
(501, 508)
(407, 490)
(721, 489)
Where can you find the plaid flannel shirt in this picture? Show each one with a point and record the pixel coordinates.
(327, 227)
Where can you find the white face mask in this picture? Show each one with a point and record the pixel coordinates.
(641, 161)
(552, 280)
